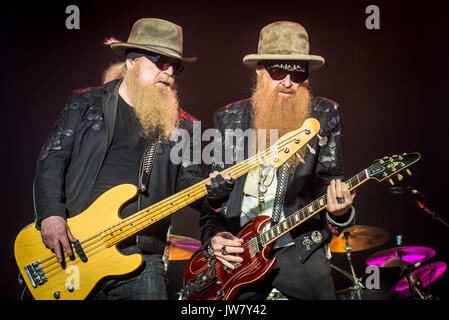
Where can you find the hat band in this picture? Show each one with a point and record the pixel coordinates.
(149, 46)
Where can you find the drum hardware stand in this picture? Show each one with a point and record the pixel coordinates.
(357, 285)
(406, 271)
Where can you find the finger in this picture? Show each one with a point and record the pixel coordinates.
(226, 263)
(57, 249)
(213, 174)
(338, 188)
(229, 243)
(230, 258)
(347, 196)
(226, 176)
(66, 246)
(70, 235)
(232, 250)
(330, 200)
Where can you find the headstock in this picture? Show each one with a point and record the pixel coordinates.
(290, 143)
(387, 167)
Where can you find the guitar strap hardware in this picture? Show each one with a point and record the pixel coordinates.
(148, 165)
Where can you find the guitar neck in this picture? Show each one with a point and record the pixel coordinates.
(306, 212)
(144, 218)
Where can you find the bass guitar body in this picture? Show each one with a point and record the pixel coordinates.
(209, 279)
(94, 258)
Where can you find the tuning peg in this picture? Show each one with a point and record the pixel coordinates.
(385, 158)
(404, 154)
(391, 182)
(408, 172)
(400, 177)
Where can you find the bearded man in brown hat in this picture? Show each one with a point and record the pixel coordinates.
(281, 101)
(106, 136)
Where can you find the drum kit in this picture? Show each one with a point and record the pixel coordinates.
(414, 274)
(410, 260)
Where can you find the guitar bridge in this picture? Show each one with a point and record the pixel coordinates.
(36, 274)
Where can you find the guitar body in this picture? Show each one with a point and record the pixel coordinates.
(99, 229)
(82, 276)
(210, 280)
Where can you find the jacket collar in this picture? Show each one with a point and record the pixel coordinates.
(109, 103)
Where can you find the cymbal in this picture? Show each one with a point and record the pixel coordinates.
(396, 257)
(360, 238)
(181, 247)
(421, 278)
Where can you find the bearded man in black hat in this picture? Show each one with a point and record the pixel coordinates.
(281, 101)
(101, 140)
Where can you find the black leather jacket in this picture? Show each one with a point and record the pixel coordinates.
(323, 162)
(70, 160)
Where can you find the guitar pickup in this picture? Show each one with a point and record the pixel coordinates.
(79, 251)
(36, 274)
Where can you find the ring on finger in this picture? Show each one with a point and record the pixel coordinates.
(340, 200)
(224, 251)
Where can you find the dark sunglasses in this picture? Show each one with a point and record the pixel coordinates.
(164, 63)
(277, 73)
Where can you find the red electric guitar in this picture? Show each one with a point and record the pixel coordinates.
(209, 279)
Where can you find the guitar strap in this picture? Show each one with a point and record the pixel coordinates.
(279, 197)
(278, 205)
(147, 165)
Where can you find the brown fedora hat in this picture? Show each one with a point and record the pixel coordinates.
(283, 40)
(154, 35)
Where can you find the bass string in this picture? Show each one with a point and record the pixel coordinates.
(158, 215)
(253, 161)
(236, 170)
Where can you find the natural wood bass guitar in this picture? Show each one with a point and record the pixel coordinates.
(99, 229)
(209, 279)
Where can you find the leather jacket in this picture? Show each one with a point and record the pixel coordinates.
(323, 162)
(71, 158)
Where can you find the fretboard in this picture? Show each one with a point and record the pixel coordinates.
(144, 218)
(294, 220)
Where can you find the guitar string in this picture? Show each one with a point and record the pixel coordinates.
(242, 168)
(252, 240)
(166, 201)
(303, 211)
(253, 161)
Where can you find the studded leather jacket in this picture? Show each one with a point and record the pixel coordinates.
(323, 162)
(72, 156)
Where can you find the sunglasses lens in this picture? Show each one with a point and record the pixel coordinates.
(277, 74)
(299, 77)
(164, 65)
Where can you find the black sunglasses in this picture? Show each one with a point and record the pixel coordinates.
(278, 73)
(164, 63)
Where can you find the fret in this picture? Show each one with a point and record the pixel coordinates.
(321, 202)
(311, 208)
(278, 230)
(295, 217)
(349, 185)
